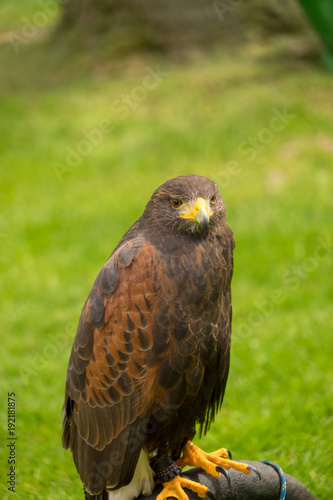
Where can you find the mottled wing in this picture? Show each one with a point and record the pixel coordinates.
(103, 423)
(223, 332)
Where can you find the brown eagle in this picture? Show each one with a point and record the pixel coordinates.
(150, 357)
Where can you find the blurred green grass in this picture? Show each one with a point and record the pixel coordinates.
(56, 231)
(13, 16)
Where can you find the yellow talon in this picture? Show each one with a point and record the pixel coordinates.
(174, 489)
(193, 456)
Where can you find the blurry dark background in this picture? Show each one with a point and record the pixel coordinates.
(186, 24)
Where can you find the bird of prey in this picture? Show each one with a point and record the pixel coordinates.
(150, 358)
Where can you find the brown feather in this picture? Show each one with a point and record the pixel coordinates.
(150, 358)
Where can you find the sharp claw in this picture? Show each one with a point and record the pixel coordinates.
(221, 469)
(209, 494)
(229, 454)
(250, 467)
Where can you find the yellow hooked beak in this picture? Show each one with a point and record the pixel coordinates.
(199, 212)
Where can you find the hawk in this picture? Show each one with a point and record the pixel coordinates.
(150, 358)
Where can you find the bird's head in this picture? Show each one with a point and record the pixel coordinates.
(188, 204)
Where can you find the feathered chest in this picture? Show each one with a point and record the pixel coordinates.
(193, 281)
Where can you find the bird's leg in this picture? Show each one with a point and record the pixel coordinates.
(167, 472)
(213, 463)
(164, 469)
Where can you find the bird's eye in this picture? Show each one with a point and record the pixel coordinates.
(176, 203)
(213, 199)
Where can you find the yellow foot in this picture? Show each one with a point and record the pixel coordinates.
(212, 463)
(174, 489)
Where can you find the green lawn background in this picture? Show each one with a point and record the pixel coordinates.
(212, 116)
